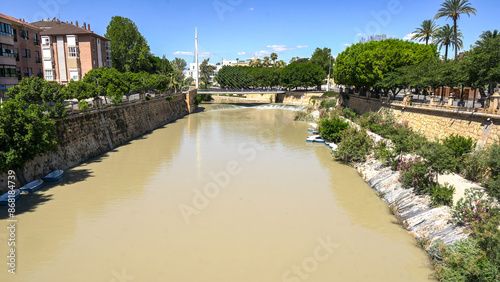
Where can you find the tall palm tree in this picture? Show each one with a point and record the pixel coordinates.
(280, 64)
(265, 62)
(237, 61)
(445, 36)
(485, 36)
(426, 30)
(274, 57)
(453, 9)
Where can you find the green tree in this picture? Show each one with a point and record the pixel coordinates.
(178, 64)
(426, 30)
(305, 75)
(453, 9)
(25, 132)
(323, 58)
(206, 72)
(485, 36)
(280, 64)
(129, 49)
(366, 64)
(265, 62)
(274, 57)
(482, 64)
(445, 36)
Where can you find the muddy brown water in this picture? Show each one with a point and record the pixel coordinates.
(229, 194)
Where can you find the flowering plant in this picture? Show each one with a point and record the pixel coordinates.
(415, 173)
(473, 209)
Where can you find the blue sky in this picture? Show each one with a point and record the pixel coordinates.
(244, 28)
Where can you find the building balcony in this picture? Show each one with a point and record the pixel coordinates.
(8, 60)
(6, 39)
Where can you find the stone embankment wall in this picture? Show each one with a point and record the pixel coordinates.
(298, 98)
(423, 222)
(85, 136)
(436, 122)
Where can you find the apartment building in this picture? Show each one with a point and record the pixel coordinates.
(19, 51)
(70, 51)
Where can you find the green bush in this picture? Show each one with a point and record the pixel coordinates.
(83, 105)
(441, 195)
(475, 208)
(459, 145)
(349, 113)
(474, 166)
(384, 152)
(354, 146)
(170, 97)
(415, 174)
(438, 157)
(331, 129)
(493, 163)
(464, 261)
(328, 104)
(330, 94)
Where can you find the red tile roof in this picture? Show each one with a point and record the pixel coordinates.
(9, 18)
(62, 28)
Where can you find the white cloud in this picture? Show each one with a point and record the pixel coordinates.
(302, 46)
(261, 53)
(251, 9)
(408, 36)
(280, 48)
(242, 53)
(360, 34)
(184, 53)
(347, 44)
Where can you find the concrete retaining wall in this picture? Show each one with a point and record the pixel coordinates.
(85, 136)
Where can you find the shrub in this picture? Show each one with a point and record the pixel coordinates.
(331, 129)
(441, 195)
(330, 94)
(415, 174)
(170, 97)
(438, 157)
(328, 103)
(83, 105)
(349, 113)
(384, 152)
(473, 209)
(493, 162)
(354, 146)
(474, 165)
(464, 261)
(459, 145)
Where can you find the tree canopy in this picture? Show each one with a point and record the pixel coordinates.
(129, 49)
(365, 64)
(302, 75)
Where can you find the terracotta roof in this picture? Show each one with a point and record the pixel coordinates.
(9, 18)
(62, 28)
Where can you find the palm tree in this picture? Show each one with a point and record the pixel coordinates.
(274, 57)
(237, 61)
(445, 37)
(265, 62)
(485, 36)
(453, 9)
(426, 30)
(280, 64)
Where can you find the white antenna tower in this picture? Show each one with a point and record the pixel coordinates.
(196, 55)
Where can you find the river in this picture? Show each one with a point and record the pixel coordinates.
(228, 194)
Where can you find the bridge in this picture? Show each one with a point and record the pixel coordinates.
(240, 91)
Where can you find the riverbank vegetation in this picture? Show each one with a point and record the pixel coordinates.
(419, 162)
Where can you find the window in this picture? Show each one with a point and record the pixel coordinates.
(94, 62)
(37, 57)
(27, 72)
(24, 34)
(72, 52)
(6, 50)
(7, 71)
(5, 29)
(26, 53)
(48, 75)
(73, 74)
(14, 33)
(35, 39)
(16, 54)
(45, 41)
